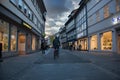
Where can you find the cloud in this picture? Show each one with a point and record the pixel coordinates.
(50, 19)
(75, 3)
(57, 13)
(59, 23)
(55, 6)
(51, 30)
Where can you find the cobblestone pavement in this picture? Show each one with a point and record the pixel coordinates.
(71, 65)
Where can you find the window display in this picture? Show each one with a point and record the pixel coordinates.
(4, 32)
(33, 42)
(21, 43)
(13, 38)
(94, 42)
(106, 41)
(83, 44)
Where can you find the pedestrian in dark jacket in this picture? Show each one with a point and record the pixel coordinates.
(56, 43)
(43, 47)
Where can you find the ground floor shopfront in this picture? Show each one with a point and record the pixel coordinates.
(82, 44)
(17, 38)
(108, 40)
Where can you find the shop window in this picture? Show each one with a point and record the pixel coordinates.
(13, 38)
(93, 43)
(106, 11)
(84, 44)
(106, 41)
(4, 32)
(117, 5)
(33, 42)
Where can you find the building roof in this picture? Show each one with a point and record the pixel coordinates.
(82, 4)
(71, 16)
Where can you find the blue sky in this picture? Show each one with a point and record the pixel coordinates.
(57, 13)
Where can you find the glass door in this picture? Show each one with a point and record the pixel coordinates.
(21, 43)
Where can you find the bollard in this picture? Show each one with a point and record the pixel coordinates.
(1, 52)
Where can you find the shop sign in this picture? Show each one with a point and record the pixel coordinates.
(26, 25)
(116, 20)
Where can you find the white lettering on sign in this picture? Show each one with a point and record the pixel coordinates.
(116, 20)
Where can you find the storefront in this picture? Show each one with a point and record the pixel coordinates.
(93, 42)
(13, 38)
(106, 41)
(75, 45)
(4, 35)
(21, 43)
(72, 44)
(102, 41)
(17, 39)
(82, 44)
(33, 42)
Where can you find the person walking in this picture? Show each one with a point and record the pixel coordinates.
(56, 44)
(43, 47)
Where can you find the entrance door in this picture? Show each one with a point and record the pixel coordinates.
(21, 43)
(119, 44)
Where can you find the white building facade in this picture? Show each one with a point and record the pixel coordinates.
(104, 25)
(81, 27)
(22, 24)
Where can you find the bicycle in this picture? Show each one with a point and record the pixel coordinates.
(56, 53)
